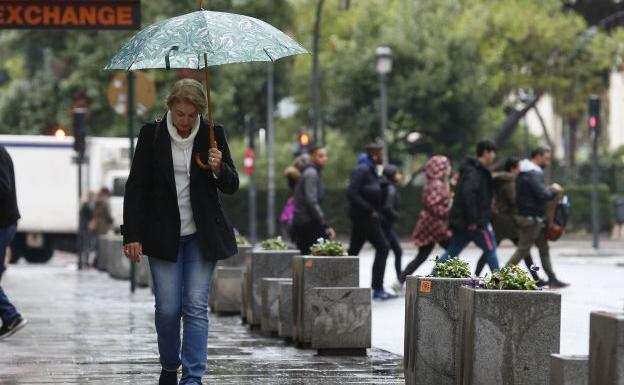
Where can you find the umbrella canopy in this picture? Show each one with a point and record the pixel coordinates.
(181, 42)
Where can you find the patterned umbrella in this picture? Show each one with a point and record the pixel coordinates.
(201, 39)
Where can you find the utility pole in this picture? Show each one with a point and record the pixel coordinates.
(271, 153)
(594, 126)
(316, 77)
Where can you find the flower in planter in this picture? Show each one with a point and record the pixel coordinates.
(240, 240)
(274, 244)
(452, 268)
(511, 278)
(327, 248)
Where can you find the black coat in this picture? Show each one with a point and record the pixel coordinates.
(151, 213)
(390, 212)
(364, 193)
(9, 214)
(472, 203)
(532, 194)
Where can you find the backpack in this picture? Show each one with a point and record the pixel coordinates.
(558, 220)
(288, 212)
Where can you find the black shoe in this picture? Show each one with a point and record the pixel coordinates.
(11, 327)
(541, 283)
(168, 378)
(557, 284)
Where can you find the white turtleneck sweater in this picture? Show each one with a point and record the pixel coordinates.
(181, 152)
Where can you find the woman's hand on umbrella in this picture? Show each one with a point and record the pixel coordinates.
(133, 250)
(214, 161)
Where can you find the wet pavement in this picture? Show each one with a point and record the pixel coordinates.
(85, 328)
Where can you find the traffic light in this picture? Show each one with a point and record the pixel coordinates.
(79, 117)
(593, 113)
(304, 142)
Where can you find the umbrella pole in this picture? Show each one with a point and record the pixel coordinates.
(213, 143)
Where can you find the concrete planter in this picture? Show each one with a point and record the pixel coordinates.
(341, 320)
(431, 330)
(568, 370)
(243, 305)
(269, 289)
(507, 336)
(312, 272)
(264, 264)
(237, 260)
(285, 310)
(606, 348)
(225, 292)
(104, 251)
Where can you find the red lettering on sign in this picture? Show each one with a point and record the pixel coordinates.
(124, 15)
(51, 15)
(15, 16)
(88, 15)
(32, 15)
(69, 16)
(106, 16)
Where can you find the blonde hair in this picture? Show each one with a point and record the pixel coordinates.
(190, 91)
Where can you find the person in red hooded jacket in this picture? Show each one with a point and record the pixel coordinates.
(432, 226)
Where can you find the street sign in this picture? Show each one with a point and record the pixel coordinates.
(70, 14)
(145, 93)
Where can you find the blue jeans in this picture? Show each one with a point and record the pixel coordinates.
(7, 311)
(181, 290)
(485, 239)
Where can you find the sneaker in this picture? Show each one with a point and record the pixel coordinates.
(541, 283)
(398, 288)
(383, 295)
(557, 284)
(168, 378)
(11, 327)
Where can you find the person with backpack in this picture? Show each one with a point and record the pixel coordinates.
(309, 222)
(390, 212)
(293, 175)
(532, 196)
(504, 210)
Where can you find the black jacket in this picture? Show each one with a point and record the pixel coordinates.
(309, 193)
(472, 203)
(390, 211)
(532, 194)
(364, 194)
(9, 214)
(151, 213)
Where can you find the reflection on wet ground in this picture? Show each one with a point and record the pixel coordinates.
(86, 328)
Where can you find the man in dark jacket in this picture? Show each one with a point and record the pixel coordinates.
(365, 206)
(12, 321)
(471, 212)
(532, 196)
(309, 223)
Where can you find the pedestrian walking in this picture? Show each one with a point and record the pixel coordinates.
(101, 222)
(89, 238)
(309, 222)
(503, 212)
(391, 213)
(532, 196)
(433, 221)
(365, 204)
(12, 320)
(471, 211)
(173, 215)
(293, 175)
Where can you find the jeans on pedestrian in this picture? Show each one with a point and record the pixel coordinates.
(395, 246)
(7, 310)
(484, 238)
(181, 291)
(370, 230)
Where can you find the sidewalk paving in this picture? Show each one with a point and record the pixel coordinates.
(86, 328)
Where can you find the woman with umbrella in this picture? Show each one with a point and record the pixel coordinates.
(173, 215)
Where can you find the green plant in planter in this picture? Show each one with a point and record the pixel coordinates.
(452, 268)
(510, 278)
(240, 240)
(274, 244)
(327, 248)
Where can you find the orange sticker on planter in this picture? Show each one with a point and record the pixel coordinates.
(309, 264)
(425, 286)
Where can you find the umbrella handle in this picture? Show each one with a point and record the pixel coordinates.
(213, 143)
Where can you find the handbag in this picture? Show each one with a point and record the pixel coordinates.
(558, 219)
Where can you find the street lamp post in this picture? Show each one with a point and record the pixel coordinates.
(384, 67)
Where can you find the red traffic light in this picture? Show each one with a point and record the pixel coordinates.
(304, 139)
(593, 122)
(249, 162)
